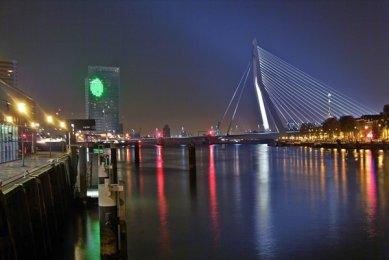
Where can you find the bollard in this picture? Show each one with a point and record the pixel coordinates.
(102, 170)
(93, 182)
(122, 222)
(136, 153)
(192, 158)
(108, 221)
(114, 162)
(82, 171)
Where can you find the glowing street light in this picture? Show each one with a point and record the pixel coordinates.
(22, 108)
(49, 119)
(9, 119)
(62, 125)
(34, 125)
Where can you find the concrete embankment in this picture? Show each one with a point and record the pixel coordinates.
(33, 209)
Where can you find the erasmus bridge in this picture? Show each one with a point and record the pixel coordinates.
(288, 97)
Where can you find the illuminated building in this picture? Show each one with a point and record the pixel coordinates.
(102, 88)
(166, 131)
(8, 72)
(17, 111)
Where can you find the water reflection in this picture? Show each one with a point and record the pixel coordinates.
(260, 202)
(237, 172)
(264, 238)
(128, 154)
(371, 192)
(87, 245)
(212, 194)
(163, 205)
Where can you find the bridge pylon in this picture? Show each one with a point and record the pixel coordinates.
(270, 121)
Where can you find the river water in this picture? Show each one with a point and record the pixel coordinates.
(256, 202)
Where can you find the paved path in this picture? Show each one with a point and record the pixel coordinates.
(10, 170)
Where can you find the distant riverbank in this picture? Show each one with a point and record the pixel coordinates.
(336, 144)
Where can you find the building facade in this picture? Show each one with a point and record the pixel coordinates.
(102, 92)
(17, 113)
(8, 72)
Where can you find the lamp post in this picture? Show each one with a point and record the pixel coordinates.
(105, 126)
(22, 137)
(49, 120)
(22, 109)
(34, 127)
(62, 126)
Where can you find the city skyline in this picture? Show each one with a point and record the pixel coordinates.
(180, 62)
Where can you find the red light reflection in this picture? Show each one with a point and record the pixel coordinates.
(213, 195)
(162, 202)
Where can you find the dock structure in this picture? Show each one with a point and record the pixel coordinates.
(34, 203)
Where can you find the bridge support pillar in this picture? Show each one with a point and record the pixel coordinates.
(192, 158)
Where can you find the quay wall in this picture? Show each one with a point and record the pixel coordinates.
(33, 209)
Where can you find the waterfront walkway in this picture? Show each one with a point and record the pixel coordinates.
(15, 169)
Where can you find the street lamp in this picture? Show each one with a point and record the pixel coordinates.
(34, 127)
(62, 126)
(22, 109)
(9, 119)
(49, 120)
(105, 126)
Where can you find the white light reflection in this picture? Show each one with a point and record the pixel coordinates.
(183, 157)
(263, 225)
(237, 187)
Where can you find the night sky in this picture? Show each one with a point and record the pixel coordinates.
(181, 60)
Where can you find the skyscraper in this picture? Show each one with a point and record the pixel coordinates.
(102, 88)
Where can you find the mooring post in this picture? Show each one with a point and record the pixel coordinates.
(192, 158)
(136, 153)
(102, 169)
(109, 202)
(82, 173)
(108, 221)
(114, 165)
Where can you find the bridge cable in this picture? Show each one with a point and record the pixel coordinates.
(236, 90)
(240, 96)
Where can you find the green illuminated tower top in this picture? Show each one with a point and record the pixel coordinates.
(96, 86)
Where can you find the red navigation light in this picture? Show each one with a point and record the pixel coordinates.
(159, 135)
(23, 135)
(210, 132)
